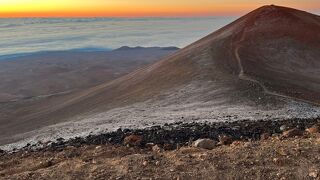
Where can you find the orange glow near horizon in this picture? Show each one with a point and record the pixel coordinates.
(140, 8)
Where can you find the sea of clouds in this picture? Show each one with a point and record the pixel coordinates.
(48, 34)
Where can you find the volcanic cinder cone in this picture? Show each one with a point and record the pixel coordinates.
(264, 65)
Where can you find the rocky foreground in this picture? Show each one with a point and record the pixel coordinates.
(287, 149)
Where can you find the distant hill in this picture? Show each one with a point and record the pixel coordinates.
(50, 73)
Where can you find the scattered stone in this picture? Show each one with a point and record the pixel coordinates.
(265, 136)
(180, 133)
(275, 160)
(149, 145)
(145, 163)
(205, 144)
(133, 140)
(119, 178)
(46, 163)
(225, 140)
(156, 148)
(283, 128)
(49, 143)
(94, 161)
(313, 174)
(313, 130)
(60, 139)
(292, 133)
(236, 143)
(190, 142)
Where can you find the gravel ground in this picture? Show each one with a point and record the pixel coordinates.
(246, 156)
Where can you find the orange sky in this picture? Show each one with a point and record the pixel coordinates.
(140, 8)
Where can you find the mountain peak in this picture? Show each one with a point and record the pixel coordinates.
(273, 11)
(270, 7)
(274, 8)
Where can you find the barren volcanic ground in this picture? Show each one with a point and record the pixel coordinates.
(270, 159)
(264, 65)
(249, 150)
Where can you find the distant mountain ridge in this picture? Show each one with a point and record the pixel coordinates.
(87, 49)
(139, 47)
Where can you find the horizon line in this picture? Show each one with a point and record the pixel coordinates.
(116, 17)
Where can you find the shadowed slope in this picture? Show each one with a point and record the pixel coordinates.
(280, 48)
(44, 74)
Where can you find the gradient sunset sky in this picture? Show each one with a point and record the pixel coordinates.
(141, 8)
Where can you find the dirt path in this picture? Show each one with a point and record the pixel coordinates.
(246, 77)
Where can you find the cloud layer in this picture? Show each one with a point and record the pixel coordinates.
(33, 35)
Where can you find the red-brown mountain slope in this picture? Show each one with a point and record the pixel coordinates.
(255, 65)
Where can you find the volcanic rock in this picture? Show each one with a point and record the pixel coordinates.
(313, 173)
(225, 140)
(205, 144)
(145, 163)
(283, 128)
(292, 133)
(133, 140)
(265, 136)
(156, 149)
(313, 130)
(2, 151)
(149, 145)
(46, 163)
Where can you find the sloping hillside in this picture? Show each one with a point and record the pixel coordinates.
(258, 67)
(46, 74)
